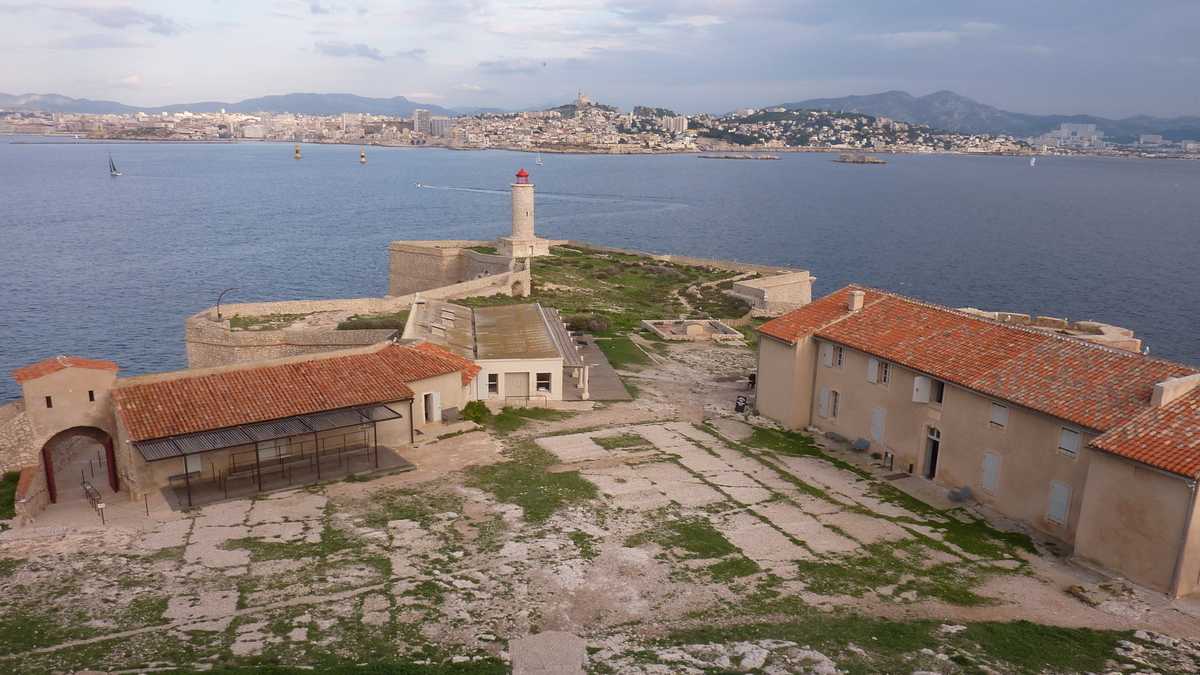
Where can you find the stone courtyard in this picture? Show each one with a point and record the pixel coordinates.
(661, 535)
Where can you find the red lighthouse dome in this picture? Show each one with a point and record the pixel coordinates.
(522, 176)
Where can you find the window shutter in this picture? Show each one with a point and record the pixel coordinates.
(823, 402)
(872, 369)
(1068, 441)
(826, 354)
(921, 387)
(437, 407)
(999, 414)
(1060, 503)
(991, 471)
(878, 420)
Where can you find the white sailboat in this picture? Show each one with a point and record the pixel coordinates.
(112, 167)
(362, 155)
(539, 161)
(1033, 161)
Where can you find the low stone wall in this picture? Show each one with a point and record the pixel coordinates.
(17, 449)
(1100, 333)
(212, 343)
(419, 266)
(32, 494)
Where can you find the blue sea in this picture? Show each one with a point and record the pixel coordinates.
(109, 267)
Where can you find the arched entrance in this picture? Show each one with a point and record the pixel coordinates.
(77, 454)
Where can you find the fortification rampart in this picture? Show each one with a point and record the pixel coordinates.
(17, 449)
(415, 266)
(210, 342)
(1092, 331)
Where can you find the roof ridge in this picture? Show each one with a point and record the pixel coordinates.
(1025, 329)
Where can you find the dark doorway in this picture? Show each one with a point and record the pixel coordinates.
(78, 454)
(933, 443)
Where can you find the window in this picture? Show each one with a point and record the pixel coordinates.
(543, 382)
(49, 402)
(999, 415)
(839, 356)
(91, 395)
(991, 472)
(1068, 441)
(1059, 506)
(878, 372)
(939, 391)
(828, 402)
(194, 464)
(493, 383)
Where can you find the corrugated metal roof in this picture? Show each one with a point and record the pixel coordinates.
(513, 332)
(155, 450)
(561, 338)
(269, 431)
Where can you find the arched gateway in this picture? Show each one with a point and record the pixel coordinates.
(68, 403)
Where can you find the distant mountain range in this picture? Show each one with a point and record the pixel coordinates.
(305, 104)
(949, 111)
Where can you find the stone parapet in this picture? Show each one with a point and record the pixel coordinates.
(1100, 333)
(17, 448)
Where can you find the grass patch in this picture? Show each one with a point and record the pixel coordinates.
(381, 321)
(625, 440)
(1034, 648)
(733, 568)
(8, 494)
(509, 420)
(25, 628)
(696, 536)
(524, 481)
(144, 610)
(879, 566)
(622, 353)
(264, 322)
(419, 507)
(489, 250)
(622, 288)
(10, 565)
(586, 544)
(332, 541)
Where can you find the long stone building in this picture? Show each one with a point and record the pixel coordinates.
(1094, 446)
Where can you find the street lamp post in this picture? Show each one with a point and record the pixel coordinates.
(222, 294)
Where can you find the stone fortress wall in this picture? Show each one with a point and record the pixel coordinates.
(423, 265)
(16, 438)
(1092, 331)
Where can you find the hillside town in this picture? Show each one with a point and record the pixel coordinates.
(580, 126)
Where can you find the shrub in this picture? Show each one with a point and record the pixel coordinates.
(591, 323)
(476, 412)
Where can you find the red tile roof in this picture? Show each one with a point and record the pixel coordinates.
(1096, 387)
(468, 367)
(57, 363)
(187, 402)
(1167, 437)
(802, 322)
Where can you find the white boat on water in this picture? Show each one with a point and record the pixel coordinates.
(539, 161)
(1033, 161)
(112, 167)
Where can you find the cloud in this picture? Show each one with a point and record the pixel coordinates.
(422, 96)
(129, 82)
(417, 54)
(317, 8)
(95, 41)
(1037, 50)
(347, 50)
(917, 39)
(981, 27)
(126, 17)
(509, 67)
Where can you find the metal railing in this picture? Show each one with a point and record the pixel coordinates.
(94, 498)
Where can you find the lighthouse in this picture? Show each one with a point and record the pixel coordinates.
(523, 243)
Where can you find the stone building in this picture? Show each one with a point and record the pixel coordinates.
(1090, 445)
(209, 433)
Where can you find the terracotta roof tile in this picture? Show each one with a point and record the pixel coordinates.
(1096, 387)
(804, 321)
(203, 401)
(468, 367)
(1167, 437)
(57, 363)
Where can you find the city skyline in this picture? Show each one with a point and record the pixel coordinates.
(1103, 58)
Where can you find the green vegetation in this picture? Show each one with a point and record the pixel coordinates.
(696, 536)
(28, 627)
(10, 565)
(621, 288)
(332, 541)
(625, 440)
(586, 544)
(420, 507)
(1034, 648)
(8, 494)
(509, 420)
(733, 568)
(264, 322)
(525, 481)
(622, 353)
(144, 610)
(389, 666)
(893, 565)
(489, 250)
(382, 321)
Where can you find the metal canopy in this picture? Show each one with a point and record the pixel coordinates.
(249, 434)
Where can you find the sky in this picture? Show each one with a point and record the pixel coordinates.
(1104, 57)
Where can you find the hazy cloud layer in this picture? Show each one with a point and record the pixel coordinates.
(1101, 56)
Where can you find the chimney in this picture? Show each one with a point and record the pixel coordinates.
(856, 300)
(1173, 388)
